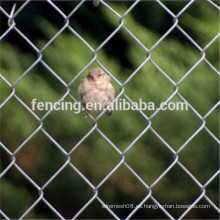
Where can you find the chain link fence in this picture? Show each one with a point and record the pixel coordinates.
(11, 17)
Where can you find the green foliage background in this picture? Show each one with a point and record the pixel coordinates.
(40, 158)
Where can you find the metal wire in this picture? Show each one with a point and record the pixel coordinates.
(12, 26)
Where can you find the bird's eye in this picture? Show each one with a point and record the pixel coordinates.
(100, 74)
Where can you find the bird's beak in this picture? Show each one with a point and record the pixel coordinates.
(96, 78)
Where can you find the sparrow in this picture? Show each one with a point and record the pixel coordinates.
(96, 88)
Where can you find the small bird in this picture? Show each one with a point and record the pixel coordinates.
(97, 88)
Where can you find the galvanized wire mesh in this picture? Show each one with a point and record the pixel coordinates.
(12, 26)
